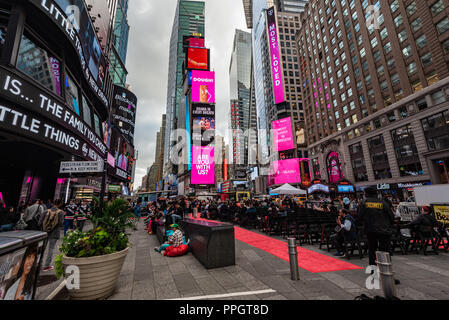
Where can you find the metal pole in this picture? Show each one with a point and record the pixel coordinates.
(293, 256)
(103, 184)
(386, 274)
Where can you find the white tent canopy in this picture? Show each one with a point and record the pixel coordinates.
(288, 190)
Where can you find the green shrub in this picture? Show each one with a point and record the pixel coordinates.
(107, 236)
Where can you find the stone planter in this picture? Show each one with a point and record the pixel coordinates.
(98, 275)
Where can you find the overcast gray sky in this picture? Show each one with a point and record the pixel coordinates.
(147, 63)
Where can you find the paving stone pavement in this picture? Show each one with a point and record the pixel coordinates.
(150, 276)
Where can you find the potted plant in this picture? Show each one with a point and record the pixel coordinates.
(98, 253)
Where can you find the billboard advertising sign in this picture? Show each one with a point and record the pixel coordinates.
(198, 59)
(286, 171)
(72, 132)
(124, 112)
(203, 86)
(73, 19)
(283, 136)
(276, 70)
(203, 168)
(203, 124)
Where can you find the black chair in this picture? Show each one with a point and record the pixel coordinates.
(428, 237)
(350, 245)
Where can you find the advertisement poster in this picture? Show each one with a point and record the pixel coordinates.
(306, 178)
(203, 167)
(124, 112)
(21, 275)
(286, 171)
(9, 269)
(276, 69)
(197, 58)
(282, 134)
(203, 86)
(203, 124)
(442, 213)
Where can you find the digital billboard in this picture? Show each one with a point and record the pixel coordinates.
(203, 86)
(276, 69)
(286, 171)
(203, 167)
(198, 58)
(282, 134)
(124, 112)
(196, 42)
(203, 124)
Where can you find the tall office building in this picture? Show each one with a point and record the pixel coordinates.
(375, 83)
(240, 94)
(189, 20)
(286, 15)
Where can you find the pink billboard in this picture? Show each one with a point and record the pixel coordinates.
(286, 171)
(203, 167)
(203, 86)
(283, 135)
(276, 70)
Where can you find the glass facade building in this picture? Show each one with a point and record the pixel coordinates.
(240, 85)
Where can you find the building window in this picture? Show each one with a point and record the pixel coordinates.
(86, 112)
(39, 64)
(437, 7)
(438, 97)
(426, 59)
(358, 162)
(421, 41)
(411, 9)
(406, 152)
(436, 130)
(379, 158)
(443, 25)
(72, 94)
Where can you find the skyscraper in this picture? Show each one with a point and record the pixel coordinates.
(286, 20)
(374, 81)
(240, 94)
(189, 20)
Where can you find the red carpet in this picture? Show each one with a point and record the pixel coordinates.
(309, 260)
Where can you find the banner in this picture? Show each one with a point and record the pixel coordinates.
(203, 86)
(276, 65)
(442, 213)
(203, 167)
(286, 171)
(282, 134)
(44, 107)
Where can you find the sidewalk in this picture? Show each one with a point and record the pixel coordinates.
(147, 275)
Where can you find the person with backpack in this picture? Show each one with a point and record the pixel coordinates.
(32, 215)
(51, 222)
(346, 230)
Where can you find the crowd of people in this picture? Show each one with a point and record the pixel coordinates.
(49, 217)
(376, 215)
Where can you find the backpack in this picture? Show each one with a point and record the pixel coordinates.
(51, 220)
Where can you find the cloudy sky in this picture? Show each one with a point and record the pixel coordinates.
(147, 63)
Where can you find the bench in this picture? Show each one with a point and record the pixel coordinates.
(211, 243)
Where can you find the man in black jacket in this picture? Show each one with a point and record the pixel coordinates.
(378, 221)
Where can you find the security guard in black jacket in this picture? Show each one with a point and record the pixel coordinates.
(378, 220)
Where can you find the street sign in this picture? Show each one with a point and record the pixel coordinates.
(81, 167)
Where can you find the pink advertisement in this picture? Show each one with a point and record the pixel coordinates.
(203, 86)
(203, 167)
(283, 135)
(286, 171)
(276, 70)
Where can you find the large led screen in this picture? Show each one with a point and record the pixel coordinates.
(286, 171)
(203, 86)
(197, 58)
(203, 167)
(282, 134)
(203, 124)
(276, 70)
